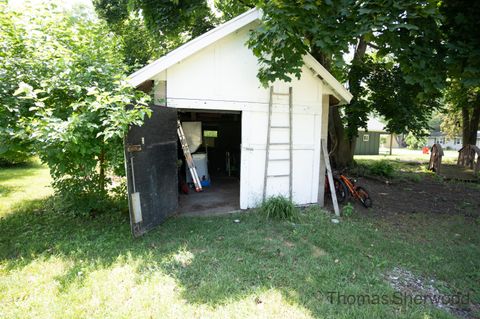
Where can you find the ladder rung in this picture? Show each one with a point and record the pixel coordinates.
(279, 143)
(280, 126)
(286, 94)
(279, 159)
(283, 175)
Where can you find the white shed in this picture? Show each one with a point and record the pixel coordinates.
(213, 80)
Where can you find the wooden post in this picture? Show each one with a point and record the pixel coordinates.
(391, 142)
(290, 148)
(466, 157)
(330, 177)
(323, 135)
(436, 154)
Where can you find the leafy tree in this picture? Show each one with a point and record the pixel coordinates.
(446, 121)
(150, 29)
(138, 46)
(138, 43)
(229, 9)
(463, 61)
(451, 124)
(14, 147)
(436, 121)
(403, 105)
(72, 105)
(405, 40)
(415, 142)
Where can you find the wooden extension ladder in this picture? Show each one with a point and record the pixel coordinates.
(288, 143)
(188, 157)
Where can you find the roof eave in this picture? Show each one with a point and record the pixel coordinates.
(338, 89)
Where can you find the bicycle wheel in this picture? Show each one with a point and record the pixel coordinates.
(363, 196)
(340, 189)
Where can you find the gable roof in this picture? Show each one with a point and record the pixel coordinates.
(212, 36)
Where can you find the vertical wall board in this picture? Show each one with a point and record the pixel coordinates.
(302, 176)
(324, 137)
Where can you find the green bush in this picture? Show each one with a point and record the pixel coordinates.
(7, 161)
(83, 197)
(415, 142)
(279, 207)
(67, 97)
(13, 155)
(381, 168)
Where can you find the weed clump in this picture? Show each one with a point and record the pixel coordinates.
(279, 207)
(348, 210)
(381, 168)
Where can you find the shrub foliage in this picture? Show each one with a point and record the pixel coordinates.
(67, 98)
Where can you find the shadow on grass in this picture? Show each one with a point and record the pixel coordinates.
(5, 190)
(215, 260)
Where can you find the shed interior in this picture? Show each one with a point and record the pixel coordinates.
(219, 153)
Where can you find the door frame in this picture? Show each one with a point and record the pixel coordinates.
(223, 111)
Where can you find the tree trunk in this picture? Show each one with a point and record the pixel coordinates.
(343, 145)
(470, 121)
(341, 150)
(474, 122)
(465, 124)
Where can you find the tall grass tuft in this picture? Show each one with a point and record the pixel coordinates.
(279, 207)
(382, 168)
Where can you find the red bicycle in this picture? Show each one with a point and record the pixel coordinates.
(340, 189)
(345, 186)
(357, 192)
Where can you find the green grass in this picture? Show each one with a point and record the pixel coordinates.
(406, 155)
(404, 164)
(59, 266)
(409, 165)
(392, 169)
(21, 184)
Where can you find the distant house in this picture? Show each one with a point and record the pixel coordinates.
(454, 143)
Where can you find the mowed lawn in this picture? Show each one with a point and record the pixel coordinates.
(22, 186)
(58, 266)
(407, 155)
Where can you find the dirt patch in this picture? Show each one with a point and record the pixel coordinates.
(318, 252)
(427, 196)
(288, 244)
(421, 290)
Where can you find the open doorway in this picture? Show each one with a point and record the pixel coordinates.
(214, 139)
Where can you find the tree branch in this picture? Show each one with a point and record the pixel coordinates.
(360, 49)
(373, 45)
